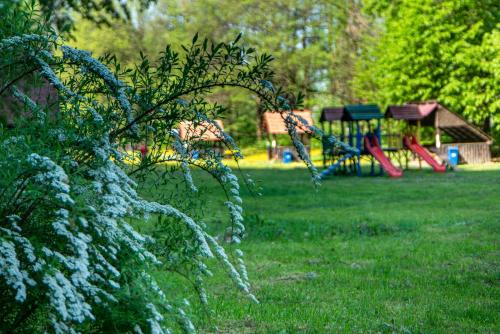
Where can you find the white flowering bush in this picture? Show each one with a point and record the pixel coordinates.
(71, 259)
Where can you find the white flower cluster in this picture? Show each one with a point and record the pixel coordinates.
(36, 110)
(10, 269)
(291, 125)
(240, 278)
(180, 149)
(67, 292)
(82, 200)
(187, 176)
(93, 65)
(23, 41)
(64, 272)
(49, 74)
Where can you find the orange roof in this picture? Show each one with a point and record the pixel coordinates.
(204, 131)
(274, 123)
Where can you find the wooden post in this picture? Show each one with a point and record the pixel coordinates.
(418, 139)
(342, 138)
(438, 138)
(438, 131)
(359, 136)
(350, 134)
(274, 147)
(418, 131)
(379, 135)
(269, 149)
(342, 135)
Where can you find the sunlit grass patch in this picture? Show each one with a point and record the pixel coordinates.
(363, 254)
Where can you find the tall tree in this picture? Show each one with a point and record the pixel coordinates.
(447, 50)
(315, 44)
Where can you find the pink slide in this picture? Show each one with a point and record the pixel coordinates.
(374, 148)
(414, 146)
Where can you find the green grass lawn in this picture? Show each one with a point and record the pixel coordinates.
(418, 254)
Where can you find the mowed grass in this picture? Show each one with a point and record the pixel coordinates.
(418, 254)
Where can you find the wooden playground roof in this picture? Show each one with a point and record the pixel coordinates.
(434, 114)
(354, 112)
(274, 124)
(362, 112)
(331, 114)
(426, 108)
(203, 131)
(405, 112)
(411, 112)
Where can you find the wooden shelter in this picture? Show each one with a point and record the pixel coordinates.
(274, 124)
(473, 144)
(203, 131)
(206, 134)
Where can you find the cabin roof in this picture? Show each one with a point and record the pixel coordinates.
(274, 124)
(203, 131)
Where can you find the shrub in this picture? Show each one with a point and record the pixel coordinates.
(70, 258)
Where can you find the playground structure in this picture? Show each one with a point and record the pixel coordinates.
(450, 130)
(360, 128)
(274, 125)
(412, 116)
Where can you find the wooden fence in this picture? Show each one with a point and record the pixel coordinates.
(471, 153)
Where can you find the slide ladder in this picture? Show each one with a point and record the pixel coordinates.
(413, 145)
(372, 146)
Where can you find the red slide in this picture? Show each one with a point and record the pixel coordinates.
(374, 148)
(414, 146)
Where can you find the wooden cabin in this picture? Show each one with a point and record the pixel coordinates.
(473, 144)
(274, 125)
(203, 132)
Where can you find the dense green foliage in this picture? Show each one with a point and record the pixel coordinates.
(337, 51)
(444, 50)
(314, 44)
(60, 13)
(367, 255)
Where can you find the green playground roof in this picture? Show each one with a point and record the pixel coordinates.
(363, 112)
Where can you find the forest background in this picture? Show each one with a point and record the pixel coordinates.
(334, 51)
